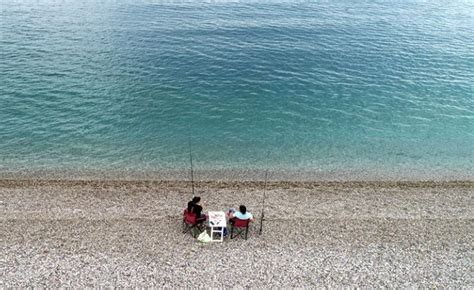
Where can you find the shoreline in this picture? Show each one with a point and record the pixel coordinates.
(271, 184)
(243, 175)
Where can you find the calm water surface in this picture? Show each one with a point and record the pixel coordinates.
(383, 88)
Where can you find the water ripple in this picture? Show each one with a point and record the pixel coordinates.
(321, 85)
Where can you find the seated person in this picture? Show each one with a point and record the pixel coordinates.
(195, 207)
(241, 214)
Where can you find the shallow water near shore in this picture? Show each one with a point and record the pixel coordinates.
(313, 90)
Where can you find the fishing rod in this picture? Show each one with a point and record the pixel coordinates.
(191, 162)
(263, 203)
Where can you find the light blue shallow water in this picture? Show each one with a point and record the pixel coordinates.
(320, 86)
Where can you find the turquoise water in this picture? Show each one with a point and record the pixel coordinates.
(383, 88)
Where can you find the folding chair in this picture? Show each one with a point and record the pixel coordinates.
(191, 224)
(239, 227)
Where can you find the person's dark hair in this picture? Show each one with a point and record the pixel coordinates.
(196, 199)
(243, 209)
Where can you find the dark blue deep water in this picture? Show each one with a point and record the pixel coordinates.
(376, 88)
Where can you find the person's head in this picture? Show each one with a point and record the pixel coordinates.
(242, 209)
(196, 199)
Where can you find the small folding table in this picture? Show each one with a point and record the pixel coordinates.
(217, 223)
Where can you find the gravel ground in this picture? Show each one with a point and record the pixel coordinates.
(332, 234)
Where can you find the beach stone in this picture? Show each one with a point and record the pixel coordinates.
(128, 234)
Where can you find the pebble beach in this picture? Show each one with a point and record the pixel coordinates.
(79, 233)
(359, 114)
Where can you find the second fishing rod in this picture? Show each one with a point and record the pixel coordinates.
(191, 163)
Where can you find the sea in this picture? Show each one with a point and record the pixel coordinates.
(352, 90)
